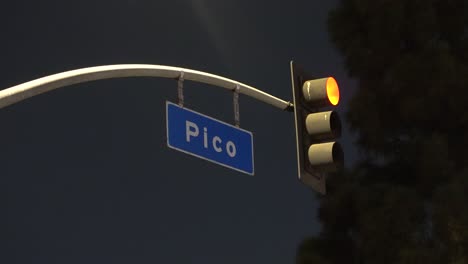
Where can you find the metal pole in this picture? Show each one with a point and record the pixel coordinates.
(180, 89)
(29, 89)
(235, 101)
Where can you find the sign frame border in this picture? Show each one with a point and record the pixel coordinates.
(204, 158)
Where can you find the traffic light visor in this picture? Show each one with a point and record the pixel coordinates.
(333, 93)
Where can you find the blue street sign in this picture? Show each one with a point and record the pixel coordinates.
(210, 139)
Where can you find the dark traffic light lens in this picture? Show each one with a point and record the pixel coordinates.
(327, 157)
(338, 156)
(323, 125)
(335, 124)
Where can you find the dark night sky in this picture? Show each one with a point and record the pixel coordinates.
(86, 174)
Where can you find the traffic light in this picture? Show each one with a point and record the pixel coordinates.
(317, 152)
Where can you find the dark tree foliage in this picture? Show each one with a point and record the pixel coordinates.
(406, 201)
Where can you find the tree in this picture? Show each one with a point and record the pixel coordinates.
(406, 201)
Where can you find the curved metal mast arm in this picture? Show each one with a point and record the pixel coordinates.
(29, 89)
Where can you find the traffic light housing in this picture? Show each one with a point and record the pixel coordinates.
(316, 130)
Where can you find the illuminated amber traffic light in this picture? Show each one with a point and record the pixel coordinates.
(321, 92)
(333, 92)
(317, 152)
